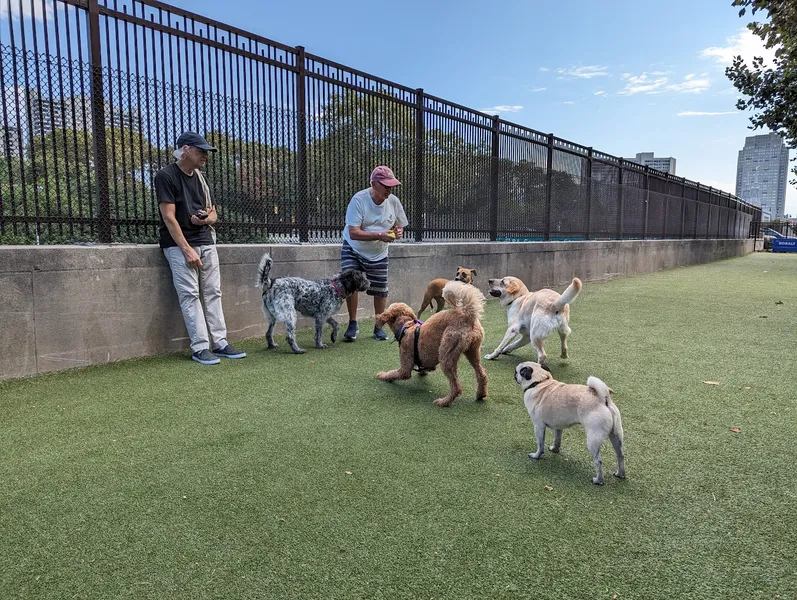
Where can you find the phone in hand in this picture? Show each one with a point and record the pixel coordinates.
(202, 214)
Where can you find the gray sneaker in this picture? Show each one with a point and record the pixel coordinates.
(205, 357)
(229, 352)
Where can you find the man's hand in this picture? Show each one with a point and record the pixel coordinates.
(387, 236)
(399, 230)
(192, 258)
(200, 219)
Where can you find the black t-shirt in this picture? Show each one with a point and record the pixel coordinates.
(185, 192)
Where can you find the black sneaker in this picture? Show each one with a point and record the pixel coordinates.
(229, 352)
(351, 331)
(379, 334)
(205, 357)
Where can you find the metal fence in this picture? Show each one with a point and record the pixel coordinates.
(760, 229)
(95, 92)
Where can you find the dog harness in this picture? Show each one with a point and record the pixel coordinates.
(418, 366)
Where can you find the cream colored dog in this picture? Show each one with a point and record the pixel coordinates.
(560, 405)
(532, 315)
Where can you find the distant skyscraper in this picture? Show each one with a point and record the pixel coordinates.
(762, 173)
(659, 163)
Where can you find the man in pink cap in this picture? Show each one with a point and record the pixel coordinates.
(374, 219)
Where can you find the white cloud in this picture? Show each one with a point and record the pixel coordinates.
(502, 108)
(745, 44)
(544, 69)
(699, 113)
(569, 102)
(657, 82)
(587, 72)
(642, 84)
(692, 84)
(538, 89)
(600, 93)
(27, 10)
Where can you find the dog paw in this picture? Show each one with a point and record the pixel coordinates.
(383, 376)
(322, 346)
(564, 355)
(489, 356)
(553, 448)
(619, 475)
(299, 351)
(443, 402)
(597, 480)
(535, 455)
(334, 337)
(272, 347)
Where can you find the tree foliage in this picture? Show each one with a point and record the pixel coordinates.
(771, 90)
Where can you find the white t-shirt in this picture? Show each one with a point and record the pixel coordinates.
(362, 212)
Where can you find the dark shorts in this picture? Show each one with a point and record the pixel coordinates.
(375, 270)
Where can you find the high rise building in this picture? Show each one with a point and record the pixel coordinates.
(667, 165)
(762, 173)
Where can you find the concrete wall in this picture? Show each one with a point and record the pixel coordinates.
(70, 306)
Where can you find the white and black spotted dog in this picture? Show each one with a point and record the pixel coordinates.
(320, 299)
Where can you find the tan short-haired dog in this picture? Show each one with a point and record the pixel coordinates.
(442, 339)
(560, 405)
(533, 315)
(434, 290)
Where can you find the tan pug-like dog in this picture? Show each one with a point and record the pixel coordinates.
(533, 315)
(434, 290)
(560, 405)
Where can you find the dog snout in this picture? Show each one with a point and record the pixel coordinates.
(495, 293)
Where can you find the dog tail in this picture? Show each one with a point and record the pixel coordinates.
(570, 294)
(464, 297)
(263, 280)
(603, 392)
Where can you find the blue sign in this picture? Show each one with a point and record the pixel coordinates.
(784, 244)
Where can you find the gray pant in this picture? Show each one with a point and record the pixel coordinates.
(189, 282)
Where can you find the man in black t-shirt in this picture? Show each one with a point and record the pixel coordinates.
(188, 242)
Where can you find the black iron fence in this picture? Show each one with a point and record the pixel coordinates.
(760, 229)
(95, 92)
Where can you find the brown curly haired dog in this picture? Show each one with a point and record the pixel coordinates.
(440, 340)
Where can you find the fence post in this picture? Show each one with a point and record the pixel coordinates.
(666, 208)
(697, 209)
(548, 188)
(620, 201)
(495, 155)
(98, 124)
(710, 205)
(301, 147)
(420, 152)
(735, 219)
(589, 193)
(647, 202)
(683, 206)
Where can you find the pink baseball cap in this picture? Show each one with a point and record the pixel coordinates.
(384, 176)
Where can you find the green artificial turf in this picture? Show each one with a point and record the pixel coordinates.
(283, 476)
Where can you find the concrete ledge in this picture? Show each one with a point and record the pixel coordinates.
(68, 306)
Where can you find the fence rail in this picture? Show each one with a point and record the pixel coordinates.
(95, 92)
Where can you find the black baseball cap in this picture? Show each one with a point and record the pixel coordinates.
(189, 138)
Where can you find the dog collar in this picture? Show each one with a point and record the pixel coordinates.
(337, 289)
(534, 384)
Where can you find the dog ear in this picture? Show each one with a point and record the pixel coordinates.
(473, 272)
(546, 368)
(512, 287)
(526, 373)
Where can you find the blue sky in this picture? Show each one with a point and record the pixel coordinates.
(621, 76)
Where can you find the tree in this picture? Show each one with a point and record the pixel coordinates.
(771, 90)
